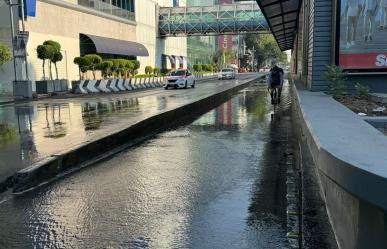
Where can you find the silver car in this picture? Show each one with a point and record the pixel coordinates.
(226, 73)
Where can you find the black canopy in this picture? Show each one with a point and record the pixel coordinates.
(282, 17)
(105, 45)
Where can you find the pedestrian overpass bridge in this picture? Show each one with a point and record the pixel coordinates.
(210, 20)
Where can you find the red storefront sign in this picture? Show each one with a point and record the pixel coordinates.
(225, 41)
(364, 61)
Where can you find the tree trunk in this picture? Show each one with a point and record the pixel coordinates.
(94, 73)
(80, 76)
(56, 70)
(50, 70)
(44, 71)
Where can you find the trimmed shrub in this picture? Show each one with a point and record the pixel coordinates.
(105, 68)
(83, 65)
(45, 52)
(56, 57)
(197, 67)
(156, 71)
(93, 60)
(136, 64)
(148, 70)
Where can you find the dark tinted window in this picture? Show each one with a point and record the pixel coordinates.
(178, 73)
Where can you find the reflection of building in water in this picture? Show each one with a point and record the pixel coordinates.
(24, 122)
(230, 113)
(94, 113)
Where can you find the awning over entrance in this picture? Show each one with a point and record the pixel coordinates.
(105, 45)
(282, 16)
(172, 59)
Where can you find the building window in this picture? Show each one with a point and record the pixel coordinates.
(120, 8)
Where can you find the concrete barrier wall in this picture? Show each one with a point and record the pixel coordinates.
(94, 151)
(119, 85)
(351, 165)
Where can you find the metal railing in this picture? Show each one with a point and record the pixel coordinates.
(108, 8)
(208, 20)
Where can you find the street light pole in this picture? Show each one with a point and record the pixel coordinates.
(10, 4)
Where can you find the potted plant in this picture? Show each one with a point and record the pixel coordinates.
(50, 51)
(83, 66)
(93, 60)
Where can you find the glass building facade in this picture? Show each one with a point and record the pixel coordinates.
(201, 49)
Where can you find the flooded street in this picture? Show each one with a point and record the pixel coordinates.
(219, 182)
(32, 132)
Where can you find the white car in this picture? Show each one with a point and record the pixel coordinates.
(226, 73)
(181, 78)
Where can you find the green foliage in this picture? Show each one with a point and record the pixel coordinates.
(156, 71)
(209, 68)
(83, 65)
(136, 64)
(50, 50)
(8, 134)
(224, 57)
(93, 60)
(336, 79)
(56, 57)
(105, 68)
(55, 45)
(362, 91)
(197, 67)
(5, 54)
(266, 49)
(148, 70)
(165, 71)
(144, 76)
(45, 52)
(135, 72)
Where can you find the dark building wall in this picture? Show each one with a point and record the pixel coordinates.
(318, 27)
(314, 42)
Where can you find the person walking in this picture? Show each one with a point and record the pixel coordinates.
(351, 13)
(383, 21)
(369, 11)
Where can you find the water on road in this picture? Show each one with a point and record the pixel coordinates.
(34, 131)
(218, 182)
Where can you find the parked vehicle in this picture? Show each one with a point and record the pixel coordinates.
(226, 73)
(181, 78)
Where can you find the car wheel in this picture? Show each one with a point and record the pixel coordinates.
(193, 84)
(166, 88)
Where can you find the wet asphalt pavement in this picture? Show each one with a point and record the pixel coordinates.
(218, 182)
(32, 132)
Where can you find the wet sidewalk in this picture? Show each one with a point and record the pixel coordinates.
(32, 132)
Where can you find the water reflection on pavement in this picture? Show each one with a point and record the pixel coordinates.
(34, 131)
(215, 183)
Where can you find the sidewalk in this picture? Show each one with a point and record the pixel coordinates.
(6, 99)
(37, 131)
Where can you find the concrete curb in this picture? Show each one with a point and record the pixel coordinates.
(94, 151)
(348, 154)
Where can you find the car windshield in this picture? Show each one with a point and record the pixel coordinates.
(178, 73)
(227, 70)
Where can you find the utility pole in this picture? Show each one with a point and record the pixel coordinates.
(10, 4)
(14, 40)
(253, 59)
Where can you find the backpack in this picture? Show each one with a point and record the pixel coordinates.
(275, 78)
